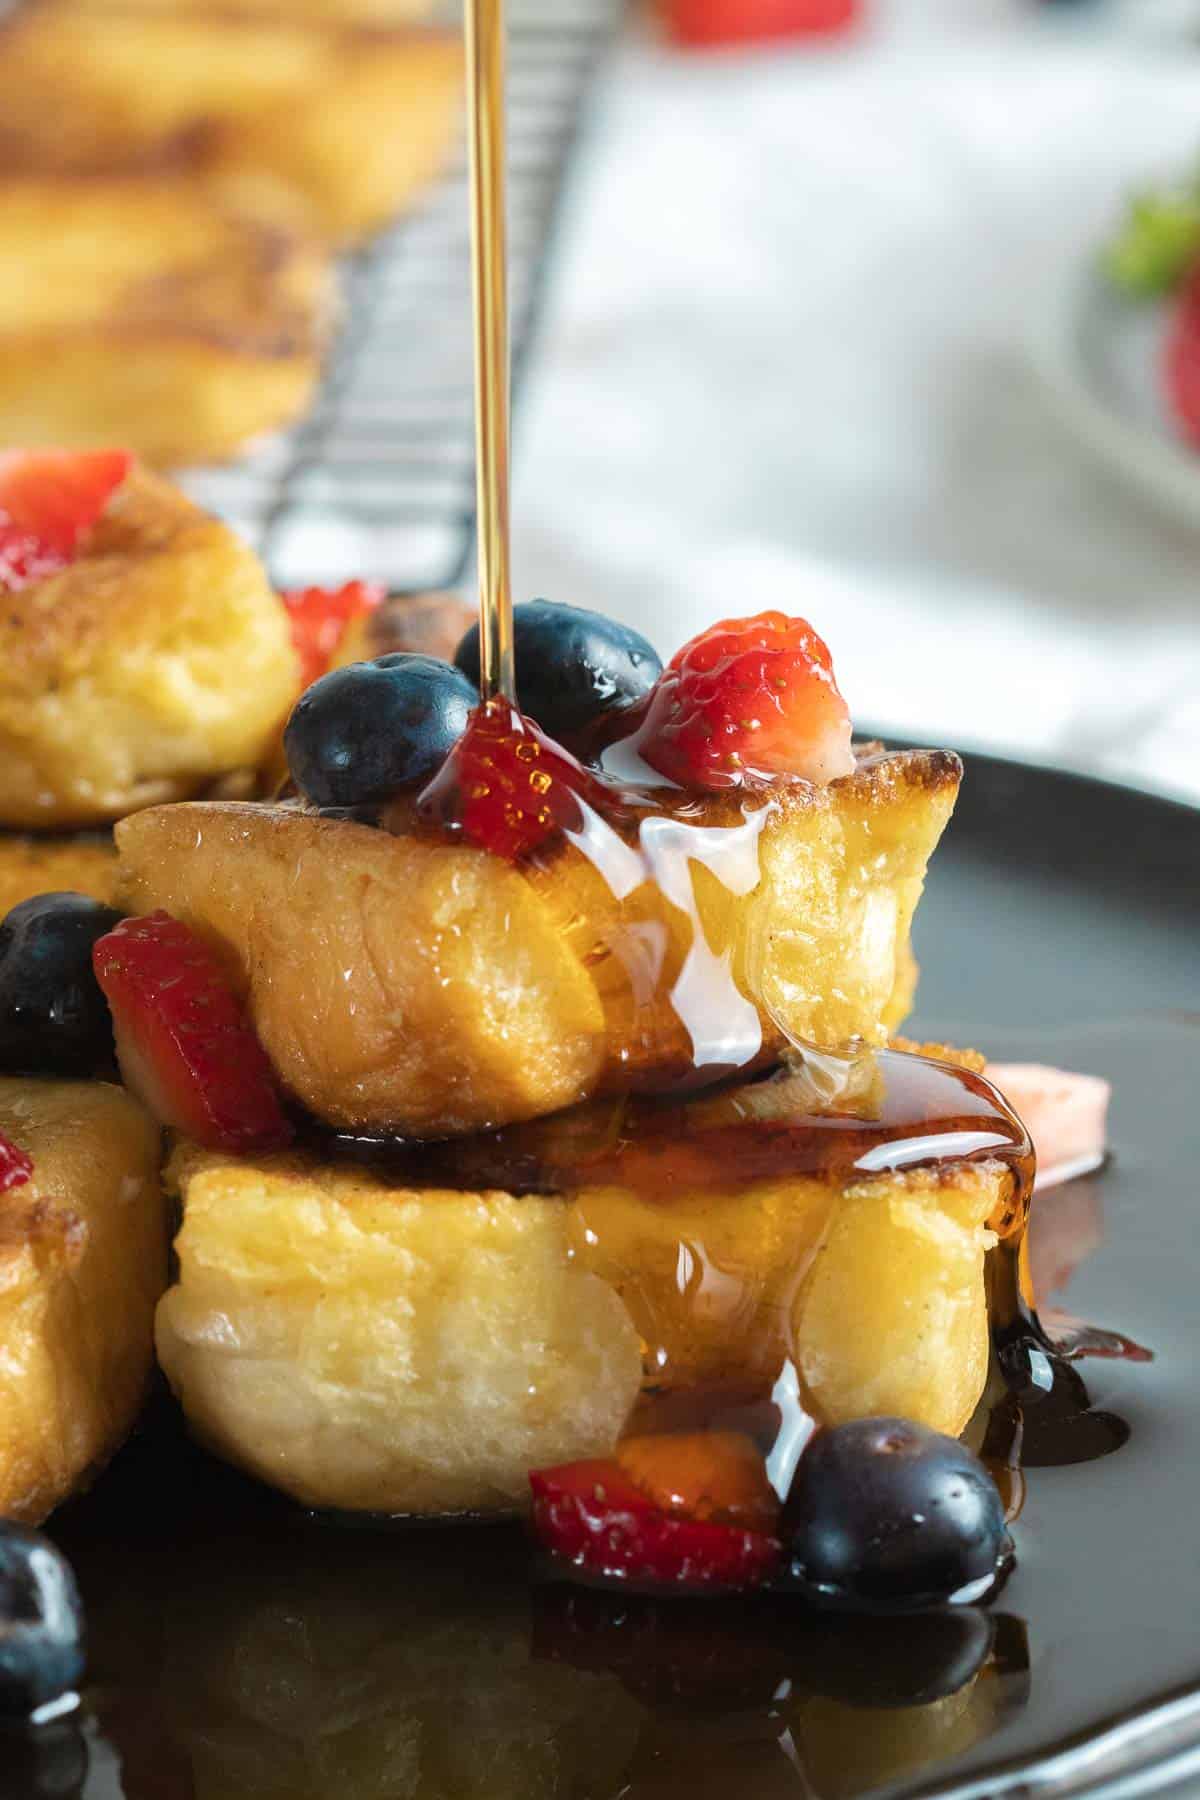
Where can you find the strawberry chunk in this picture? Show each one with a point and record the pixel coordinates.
(717, 1475)
(183, 1043)
(593, 1515)
(507, 786)
(48, 499)
(319, 617)
(16, 1165)
(1181, 359)
(1065, 1114)
(748, 700)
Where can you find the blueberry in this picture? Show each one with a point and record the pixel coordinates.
(572, 665)
(884, 1513)
(41, 1623)
(363, 732)
(53, 1017)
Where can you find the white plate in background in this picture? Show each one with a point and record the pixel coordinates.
(1100, 356)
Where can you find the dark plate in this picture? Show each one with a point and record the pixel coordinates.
(240, 1652)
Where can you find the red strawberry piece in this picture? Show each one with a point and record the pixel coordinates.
(1181, 359)
(16, 1165)
(319, 618)
(507, 786)
(183, 1043)
(713, 22)
(748, 700)
(48, 499)
(593, 1515)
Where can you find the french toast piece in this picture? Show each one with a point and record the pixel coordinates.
(374, 1347)
(141, 312)
(328, 12)
(325, 126)
(83, 1259)
(156, 661)
(409, 985)
(56, 865)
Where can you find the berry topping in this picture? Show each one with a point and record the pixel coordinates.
(363, 732)
(885, 1513)
(749, 699)
(182, 1042)
(505, 786)
(572, 666)
(53, 1017)
(48, 499)
(16, 1165)
(595, 1516)
(1181, 359)
(41, 1624)
(319, 618)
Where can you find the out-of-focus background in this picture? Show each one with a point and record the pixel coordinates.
(820, 323)
(791, 358)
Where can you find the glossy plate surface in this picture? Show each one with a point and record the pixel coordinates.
(241, 1652)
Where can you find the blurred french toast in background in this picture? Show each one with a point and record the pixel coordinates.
(136, 311)
(174, 180)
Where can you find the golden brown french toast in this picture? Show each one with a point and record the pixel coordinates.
(403, 983)
(373, 1346)
(83, 864)
(156, 661)
(321, 125)
(141, 312)
(83, 1248)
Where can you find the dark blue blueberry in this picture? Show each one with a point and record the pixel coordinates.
(362, 733)
(53, 1017)
(884, 1513)
(572, 665)
(41, 1623)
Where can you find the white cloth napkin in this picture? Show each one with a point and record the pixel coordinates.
(785, 365)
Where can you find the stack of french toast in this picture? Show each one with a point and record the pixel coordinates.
(176, 178)
(481, 1061)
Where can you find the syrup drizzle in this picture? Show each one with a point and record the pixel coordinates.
(824, 1118)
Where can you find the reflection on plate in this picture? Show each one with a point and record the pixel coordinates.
(243, 1652)
(1099, 355)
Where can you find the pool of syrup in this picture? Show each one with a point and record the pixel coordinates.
(242, 1651)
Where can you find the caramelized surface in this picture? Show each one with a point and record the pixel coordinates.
(82, 1264)
(409, 985)
(157, 660)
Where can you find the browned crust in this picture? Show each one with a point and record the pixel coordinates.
(53, 622)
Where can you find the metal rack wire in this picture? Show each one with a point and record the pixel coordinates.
(378, 479)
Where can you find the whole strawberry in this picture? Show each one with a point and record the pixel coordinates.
(1181, 360)
(748, 701)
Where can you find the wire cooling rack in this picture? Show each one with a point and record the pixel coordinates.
(378, 479)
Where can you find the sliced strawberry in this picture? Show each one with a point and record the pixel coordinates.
(1181, 358)
(16, 1165)
(48, 499)
(319, 618)
(594, 1516)
(1065, 1114)
(749, 699)
(183, 1043)
(507, 786)
(715, 1475)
